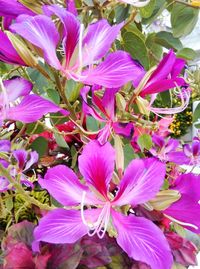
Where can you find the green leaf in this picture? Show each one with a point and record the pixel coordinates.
(121, 13)
(92, 124)
(136, 47)
(129, 154)
(72, 90)
(53, 95)
(167, 40)
(145, 141)
(165, 98)
(9, 203)
(183, 19)
(40, 144)
(187, 54)
(147, 11)
(60, 141)
(158, 9)
(155, 50)
(196, 115)
(32, 128)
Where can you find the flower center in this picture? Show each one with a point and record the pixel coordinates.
(100, 226)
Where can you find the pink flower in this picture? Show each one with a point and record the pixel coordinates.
(137, 236)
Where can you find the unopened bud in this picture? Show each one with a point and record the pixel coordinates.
(164, 199)
(22, 50)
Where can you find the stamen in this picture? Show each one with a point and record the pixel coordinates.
(100, 226)
(82, 208)
(5, 100)
(80, 44)
(182, 223)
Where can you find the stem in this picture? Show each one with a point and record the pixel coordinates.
(20, 133)
(62, 94)
(4, 172)
(131, 18)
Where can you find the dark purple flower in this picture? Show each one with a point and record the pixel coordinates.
(137, 236)
(162, 148)
(190, 155)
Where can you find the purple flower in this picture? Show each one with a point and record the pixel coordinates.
(13, 8)
(137, 236)
(165, 77)
(82, 51)
(8, 54)
(162, 148)
(103, 110)
(186, 211)
(189, 156)
(31, 108)
(24, 161)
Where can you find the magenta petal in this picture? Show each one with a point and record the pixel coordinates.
(162, 85)
(60, 226)
(31, 108)
(124, 129)
(13, 8)
(8, 54)
(96, 164)
(4, 184)
(177, 68)
(63, 184)
(98, 40)
(186, 211)
(5, 145)
(41, 32)
(32, 159)
(117, 69)
(21, 157)
(17, 87)
(104, 134)
(187, 208)
(141, 181)
(158, 140)
(71, 25)
(178, 157)
(108, 102)
(142, 240)
(164, 68)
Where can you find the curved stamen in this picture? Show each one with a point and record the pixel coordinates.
(80, 48)
(99, 227)
(182, 223)
(5, 103)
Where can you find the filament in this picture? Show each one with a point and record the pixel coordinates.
(98, 227)
(182, 223)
